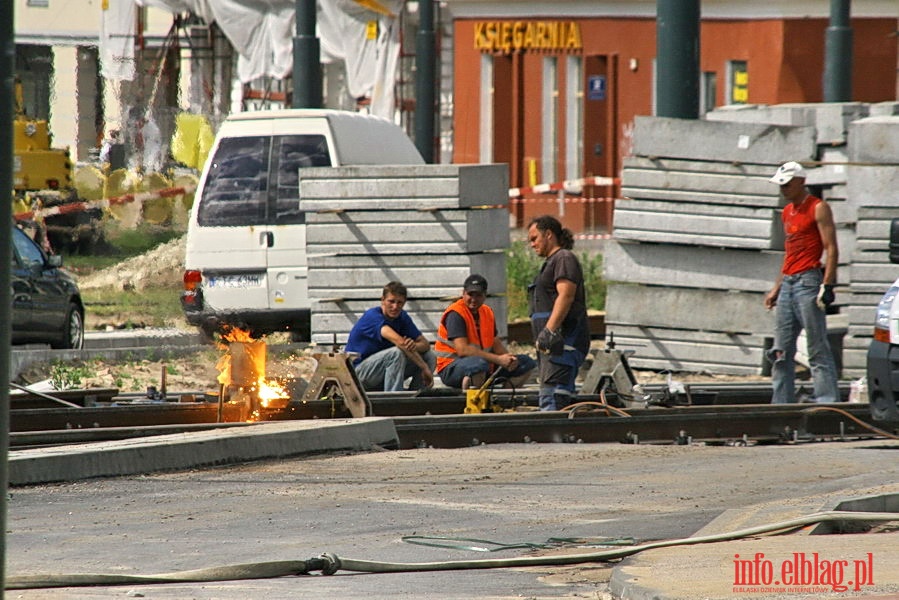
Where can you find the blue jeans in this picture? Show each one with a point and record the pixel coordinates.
(388, 369)
(797, 309)
(558, 374)
(453, 373)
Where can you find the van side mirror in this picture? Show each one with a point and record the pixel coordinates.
(55, 260)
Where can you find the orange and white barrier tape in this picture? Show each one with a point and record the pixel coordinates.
(73, 207)
(514, 201)
(573, 185)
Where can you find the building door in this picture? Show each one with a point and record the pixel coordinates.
(600, 110)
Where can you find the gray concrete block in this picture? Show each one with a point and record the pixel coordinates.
(404, 187)
(884, 109)
(198, 449)
(407, 232)
(690, 309)
(832, 168)
(722, 141)
(732, 184)
(873, 185)
(690, 266)
(831, 120)
(426, 275)
(693, 351)
(695, 224)
(875, 140)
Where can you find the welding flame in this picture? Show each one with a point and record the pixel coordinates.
(243, 364)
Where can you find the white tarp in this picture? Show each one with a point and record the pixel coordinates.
(117, 40)
(262, 33)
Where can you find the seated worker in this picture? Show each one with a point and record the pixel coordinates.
(390, 346)
(467, 346)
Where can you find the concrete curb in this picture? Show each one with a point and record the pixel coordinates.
(197, 449)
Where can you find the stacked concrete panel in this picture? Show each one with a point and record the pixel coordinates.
(429, 226)
(698, 239)
(873, 190)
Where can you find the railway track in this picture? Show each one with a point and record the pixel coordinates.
(710, 413)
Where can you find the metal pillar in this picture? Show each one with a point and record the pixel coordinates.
(677, 58)
(838, 54)
(307, 65)
(7, 93)
(425, 59)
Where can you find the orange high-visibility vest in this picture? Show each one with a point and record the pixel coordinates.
(483, 339)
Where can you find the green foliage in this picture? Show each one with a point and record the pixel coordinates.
(68, 376)
(522, 265)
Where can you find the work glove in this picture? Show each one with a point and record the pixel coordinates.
(825, 296)
(550, 342)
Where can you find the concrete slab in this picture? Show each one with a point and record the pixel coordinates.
(413, 187)
(874, 140)
(700, 225)
(723, 141)
(407, 232)
(690, 266)
(198, 449)
(689, 309)
(426, 275)
(873, 185)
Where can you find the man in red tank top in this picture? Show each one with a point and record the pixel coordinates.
(804, 289)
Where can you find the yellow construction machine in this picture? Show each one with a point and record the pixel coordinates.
(43, 180)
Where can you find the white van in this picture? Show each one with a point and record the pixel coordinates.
(883, 353)
(245, 261)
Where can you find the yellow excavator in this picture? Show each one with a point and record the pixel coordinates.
(43, 178)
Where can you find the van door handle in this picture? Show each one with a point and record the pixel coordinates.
(268, 238)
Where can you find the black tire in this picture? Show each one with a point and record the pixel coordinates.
(72, 337)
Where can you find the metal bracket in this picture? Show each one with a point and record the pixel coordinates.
(334, 377)
(610, 366)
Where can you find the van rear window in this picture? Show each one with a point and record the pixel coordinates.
(237, 190)
(236, 187)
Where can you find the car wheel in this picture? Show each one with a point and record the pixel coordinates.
(72, 337)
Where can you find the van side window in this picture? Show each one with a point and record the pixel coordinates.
(236, 186)
(295, 152)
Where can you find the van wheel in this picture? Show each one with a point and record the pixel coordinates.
(72, 336)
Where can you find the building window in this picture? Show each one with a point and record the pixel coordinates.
(485, 151)
(574, 117)
(708, 91)
(550, 117)
(737, 82)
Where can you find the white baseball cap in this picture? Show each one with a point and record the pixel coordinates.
(787, 171)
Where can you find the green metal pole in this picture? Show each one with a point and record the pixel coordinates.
(677, 58)
(307, 65)
(838, 54)
(7, 94)
(425, 79)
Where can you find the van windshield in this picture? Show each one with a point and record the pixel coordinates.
(237, 190)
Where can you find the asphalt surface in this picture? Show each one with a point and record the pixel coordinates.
(546, 499)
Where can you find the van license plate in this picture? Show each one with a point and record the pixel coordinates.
(251, 280)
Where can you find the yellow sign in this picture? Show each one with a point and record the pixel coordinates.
(371, 30)
(521, 36)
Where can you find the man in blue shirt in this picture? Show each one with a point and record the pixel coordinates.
(391, 348)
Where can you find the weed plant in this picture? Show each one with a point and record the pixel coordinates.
(522, 265)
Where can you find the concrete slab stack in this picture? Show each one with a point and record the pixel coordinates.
(873, 189)
(698, 241)
(429, 226)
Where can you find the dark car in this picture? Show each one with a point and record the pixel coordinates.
(46, 302)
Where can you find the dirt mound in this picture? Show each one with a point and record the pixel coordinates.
(162, 266)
